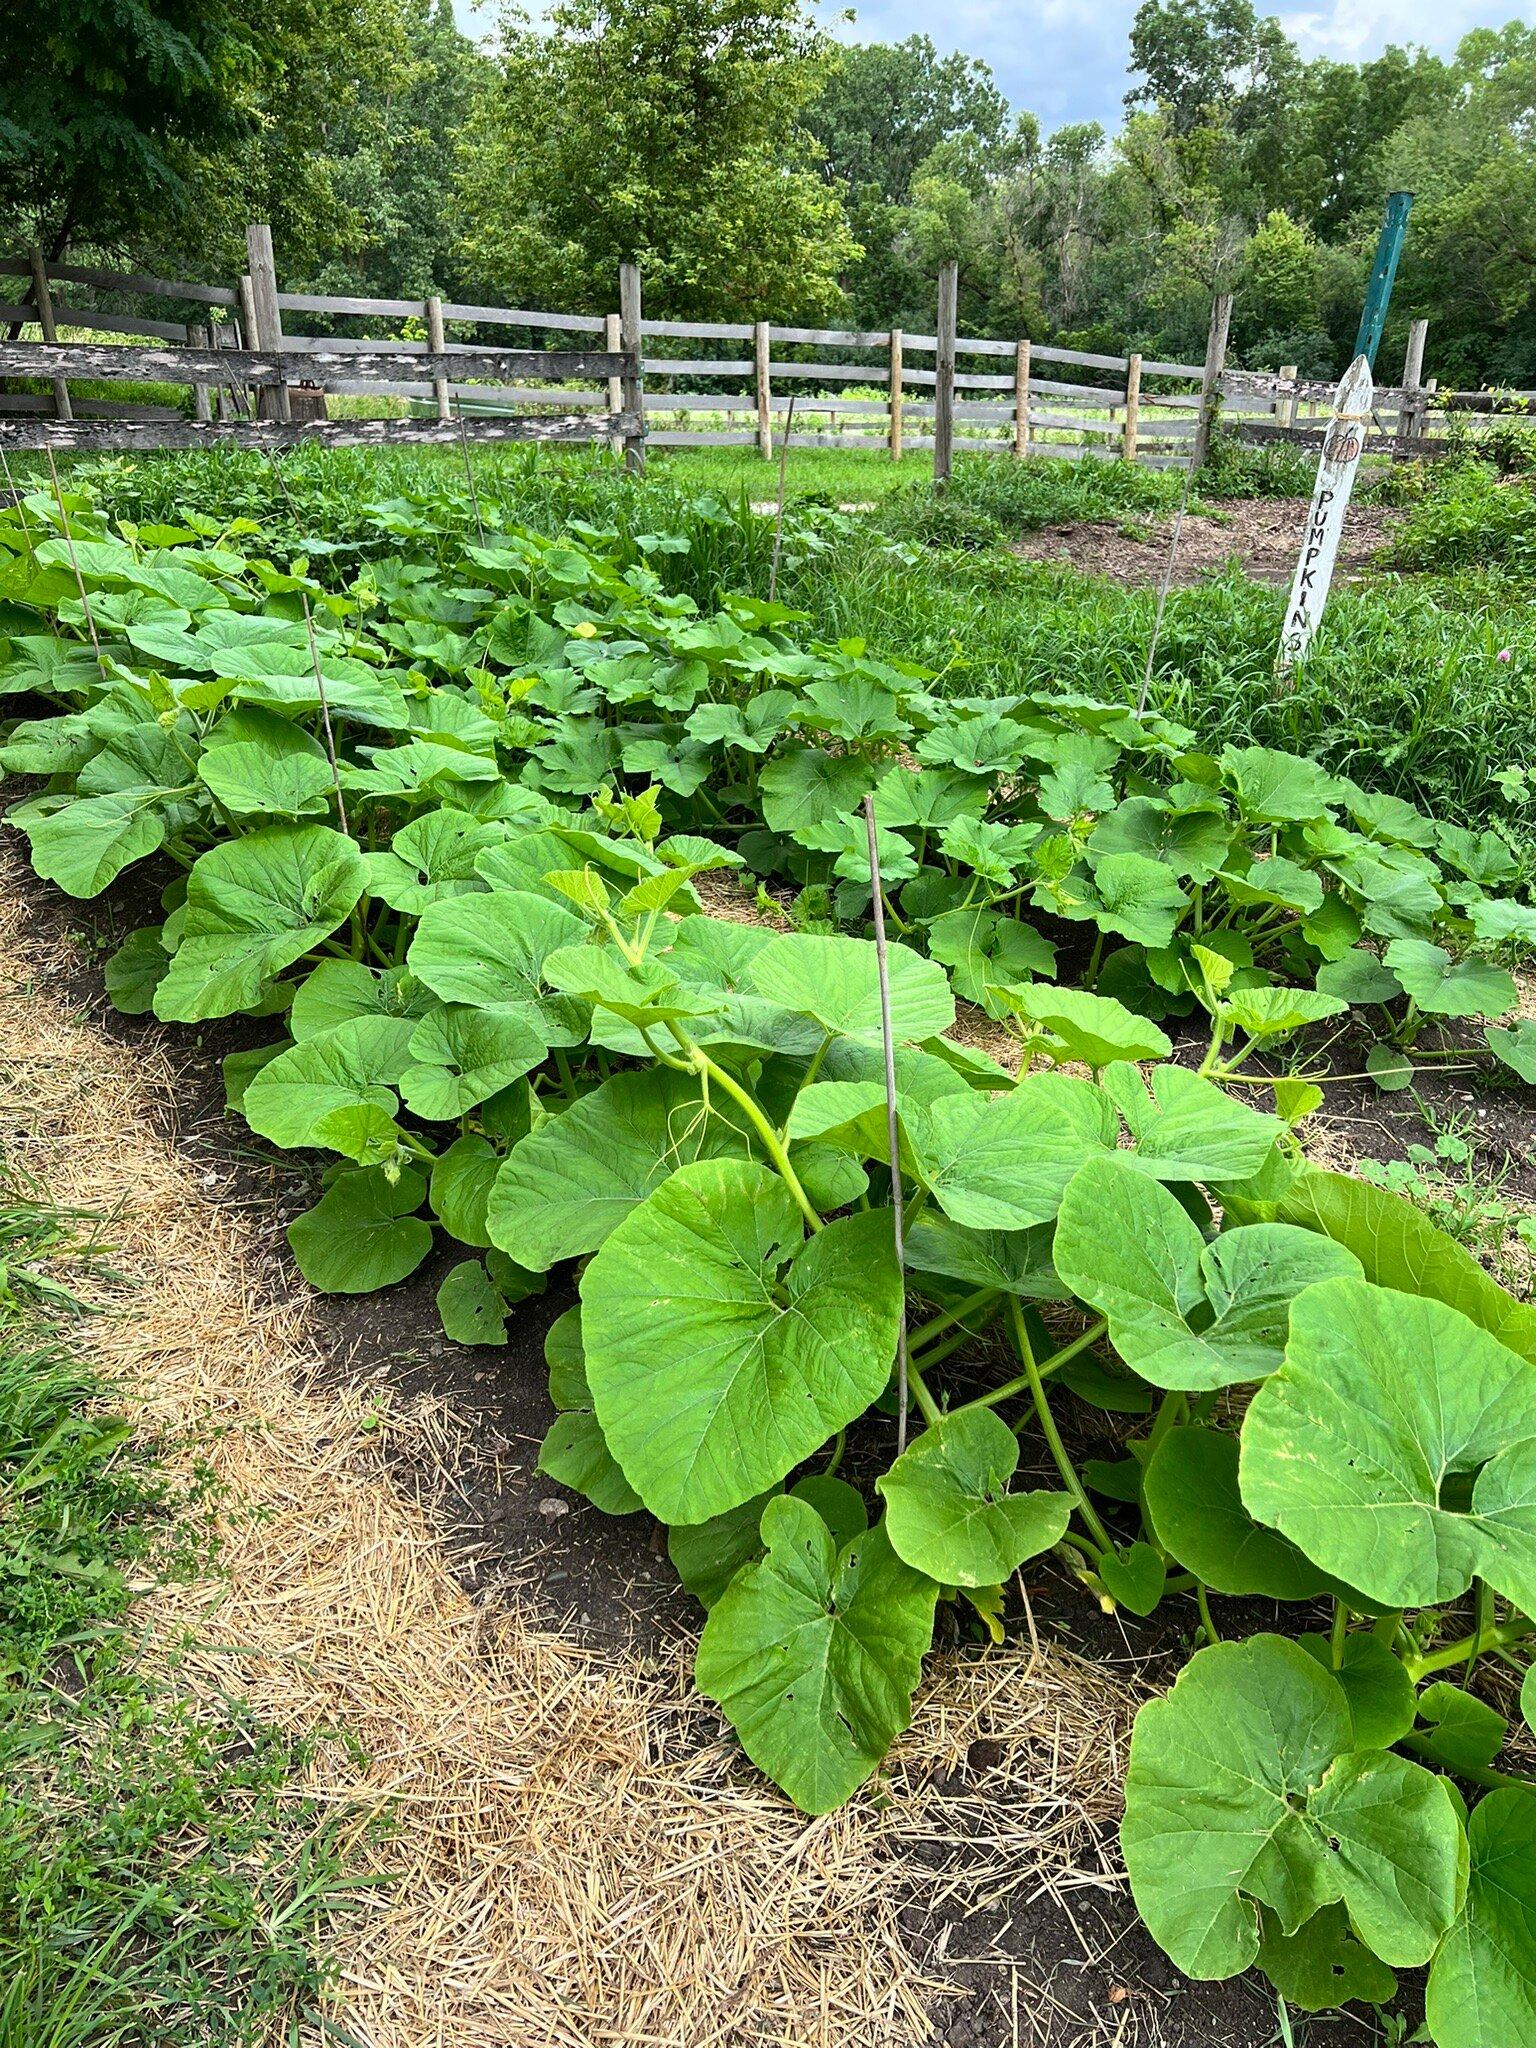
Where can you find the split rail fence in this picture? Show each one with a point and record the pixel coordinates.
(628, 381)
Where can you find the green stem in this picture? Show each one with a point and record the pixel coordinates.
(1025, 1380)
(925, 1400)
(1336, 1635)
(703, 1064)
(836, 1458)
(1058, 1449)
(1212, 1633)
(1470, 1772)
(958, 1313)
(1468, 1647)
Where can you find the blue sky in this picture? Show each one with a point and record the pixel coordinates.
(1065, 59)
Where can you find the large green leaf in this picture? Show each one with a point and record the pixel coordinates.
(948, 1510)
(836, 982)
(257, 765)
(254, 906)
(1012, 1261)
(1244, 1789)
(430, 860)
(461, 1056)
(1482, 1989)
(1184, 1313)
(282, 678)
(1323, 1963)
(338, 989)
(1443, 987)
(814, 1656)
(1136, 897)
(350, 1066)
(85, 845)
(1191, 1495)
(573, 1180)
(1071, 1024)
(1278, 788)
(462, 1179)
(1186, 1128)
(489, 950)
(1399, 1247)
(1003, 1162)
(1396, 1447)
(362, 1234)
(574, 1450)
(756, 1346)
(803, 788)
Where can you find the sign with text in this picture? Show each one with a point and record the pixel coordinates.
(1342, 447)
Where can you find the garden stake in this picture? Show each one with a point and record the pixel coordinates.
(474, 495)
(325, 711)
(1162, 588)
(778, 517)
(882, 968)
(74, 560)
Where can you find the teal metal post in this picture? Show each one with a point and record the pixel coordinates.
(1378, 292)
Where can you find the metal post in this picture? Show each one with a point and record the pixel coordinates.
(437, 341)
(1210, 379)
(894, 400)
(944, 374)
(764, 391)
(1378, 291)
(1132, 408)
(272, 402)
(634, 375)
(42, 298)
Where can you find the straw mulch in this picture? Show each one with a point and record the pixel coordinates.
(576, 1855)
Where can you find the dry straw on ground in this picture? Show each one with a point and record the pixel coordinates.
(577, 1856)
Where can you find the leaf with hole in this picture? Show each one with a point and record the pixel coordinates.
(1245, 1789)
(948, 1508)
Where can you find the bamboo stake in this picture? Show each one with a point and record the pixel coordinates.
(892, 1120)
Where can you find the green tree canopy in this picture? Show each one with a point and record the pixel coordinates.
(669, 131)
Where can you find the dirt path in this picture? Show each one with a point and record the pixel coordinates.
(1261, 535)
(578, 1856)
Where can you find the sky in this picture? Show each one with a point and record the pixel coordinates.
(1064, 60)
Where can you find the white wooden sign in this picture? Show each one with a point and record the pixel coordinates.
(1325, 519)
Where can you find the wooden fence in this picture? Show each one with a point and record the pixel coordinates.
(669, 383)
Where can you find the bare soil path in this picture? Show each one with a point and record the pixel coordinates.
(1261, 535)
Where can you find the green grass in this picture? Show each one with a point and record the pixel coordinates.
(832, 475)
(159, 1879)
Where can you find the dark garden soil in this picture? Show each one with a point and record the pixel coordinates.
(1260, 535)
(1058, 1971)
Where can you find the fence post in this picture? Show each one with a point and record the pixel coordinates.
(764, 391)
(613, 341)
(1020, 400)
(437, 341)
(224, 338)
(42, 298)
(894, 398)
(1283, 411)
(1409, 410)
(1132, 407)
(202, 400)
(1210, 378)
(944, 374)
(634, 372)
(272, 401)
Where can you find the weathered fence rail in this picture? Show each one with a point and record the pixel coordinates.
(672, 383)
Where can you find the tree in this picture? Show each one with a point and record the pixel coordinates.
(103, 101)
(884, 108)
(664, 130)
(1202, 55)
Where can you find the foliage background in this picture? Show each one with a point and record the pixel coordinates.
(758, 169)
